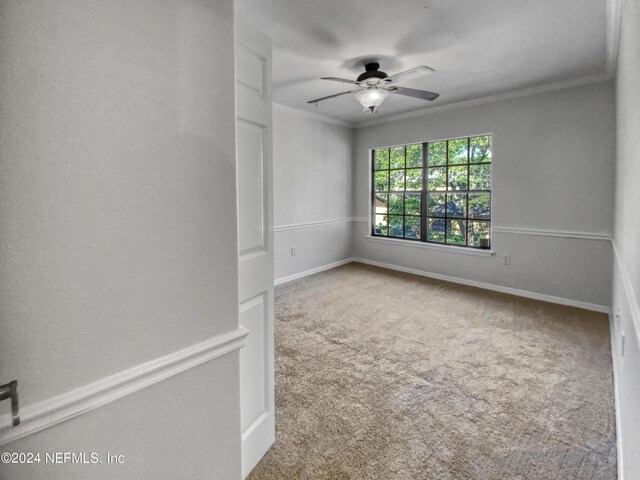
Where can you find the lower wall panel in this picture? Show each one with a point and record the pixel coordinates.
(571, 268)
(187, 426)
(626, 363)
(316, 245)
(555, 265)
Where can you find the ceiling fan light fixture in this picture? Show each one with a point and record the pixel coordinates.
(373, 86)
(371, 98)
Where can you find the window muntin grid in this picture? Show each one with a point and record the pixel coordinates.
(437, 192)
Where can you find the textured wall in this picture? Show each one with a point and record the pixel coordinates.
(553, 170)
(626, 285)
(117, 205)
(177, 429)
(312, 183)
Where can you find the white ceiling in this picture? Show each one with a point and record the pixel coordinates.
(478, 48)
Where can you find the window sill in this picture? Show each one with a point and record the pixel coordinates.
(431, 246)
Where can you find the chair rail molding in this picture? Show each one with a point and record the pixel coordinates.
(319, 223)
(552, 233)
(535, 232)
(58, 409)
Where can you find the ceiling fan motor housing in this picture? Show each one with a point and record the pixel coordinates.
(371, 72)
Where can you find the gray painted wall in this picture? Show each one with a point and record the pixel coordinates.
(553, 171)
(181, 428)
(312, 184)
(118, 225)
(626, 279)
(554, 177)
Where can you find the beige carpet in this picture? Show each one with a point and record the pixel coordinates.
(384, 375)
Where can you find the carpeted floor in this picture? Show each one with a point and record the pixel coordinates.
(385, 375)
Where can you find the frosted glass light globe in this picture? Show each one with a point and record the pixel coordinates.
(371, 98)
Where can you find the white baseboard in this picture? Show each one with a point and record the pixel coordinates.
(58, 409)
(614, 361)
(295, 276)
(489, 286)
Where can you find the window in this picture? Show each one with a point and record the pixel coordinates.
(437, 192)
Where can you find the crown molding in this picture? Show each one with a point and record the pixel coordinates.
(314, 116)
(549, 87)
(612, 43)
(614, 8)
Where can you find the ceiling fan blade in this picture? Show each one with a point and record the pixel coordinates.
(421, 70)
(334, 95)
(411, 92)
(341, 80)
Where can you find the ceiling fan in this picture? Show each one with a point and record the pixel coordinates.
(374, 86)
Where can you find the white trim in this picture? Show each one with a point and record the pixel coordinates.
(613, 35)
(634, 309)
(628, 291)
(488, 286)
(431, 246)
(320, 223)
(306, 273)
(549, 87)
(616, 394)
(552, 233)
(58, 409)
(537, 232)
(314, 116)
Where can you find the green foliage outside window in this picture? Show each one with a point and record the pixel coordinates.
(453, 180)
